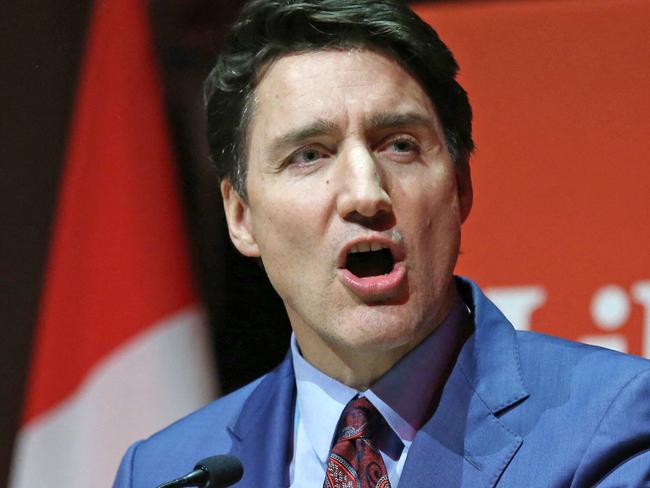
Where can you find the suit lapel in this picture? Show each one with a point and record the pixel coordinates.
(261, 433)
(464, 443)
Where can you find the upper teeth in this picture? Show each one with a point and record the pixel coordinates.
(367, 246)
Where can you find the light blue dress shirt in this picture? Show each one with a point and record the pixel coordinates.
(403, 396)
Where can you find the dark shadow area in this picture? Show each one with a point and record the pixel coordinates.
(249, 324)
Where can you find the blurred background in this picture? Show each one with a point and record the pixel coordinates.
(558, 235)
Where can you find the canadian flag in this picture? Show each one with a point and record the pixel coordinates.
(121, 346)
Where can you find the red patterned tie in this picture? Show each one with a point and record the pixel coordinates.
(353, 461)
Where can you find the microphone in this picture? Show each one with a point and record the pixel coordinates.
(211, 472)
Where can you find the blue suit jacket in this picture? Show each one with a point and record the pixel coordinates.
(518, 409)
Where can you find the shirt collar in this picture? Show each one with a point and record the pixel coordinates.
(403, 395)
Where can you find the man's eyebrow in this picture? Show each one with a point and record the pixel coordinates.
(391, 120)
(319, 127)
(294, 137)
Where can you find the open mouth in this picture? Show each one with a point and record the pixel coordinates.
(366, 263)
(373, 269)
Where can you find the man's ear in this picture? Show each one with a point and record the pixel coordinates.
(239, 220)
(465, 190)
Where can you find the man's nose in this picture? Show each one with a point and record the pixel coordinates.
(363, 193)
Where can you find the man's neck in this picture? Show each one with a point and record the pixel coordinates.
(361, 368)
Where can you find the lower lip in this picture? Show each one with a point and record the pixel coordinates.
(375, 287)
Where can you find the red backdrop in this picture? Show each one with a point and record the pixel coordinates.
(560, 228)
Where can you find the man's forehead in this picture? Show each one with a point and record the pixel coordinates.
(336, 68)
(331, 85)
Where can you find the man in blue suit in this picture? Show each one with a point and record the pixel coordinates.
(343, 142)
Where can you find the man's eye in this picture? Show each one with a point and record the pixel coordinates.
(403, 145)
(401, 148)
(306, 156)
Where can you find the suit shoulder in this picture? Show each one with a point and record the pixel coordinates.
(585, 362)
(566, 346)
(218, 414)
(588, 407)
(176, 449)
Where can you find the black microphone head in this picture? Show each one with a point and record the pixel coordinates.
(223, 470)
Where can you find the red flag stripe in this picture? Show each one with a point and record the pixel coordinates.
(119, 256)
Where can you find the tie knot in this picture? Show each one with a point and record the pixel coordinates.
(354, 461)
(358, 420)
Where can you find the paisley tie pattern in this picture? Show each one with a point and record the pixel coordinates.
(353, 461)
